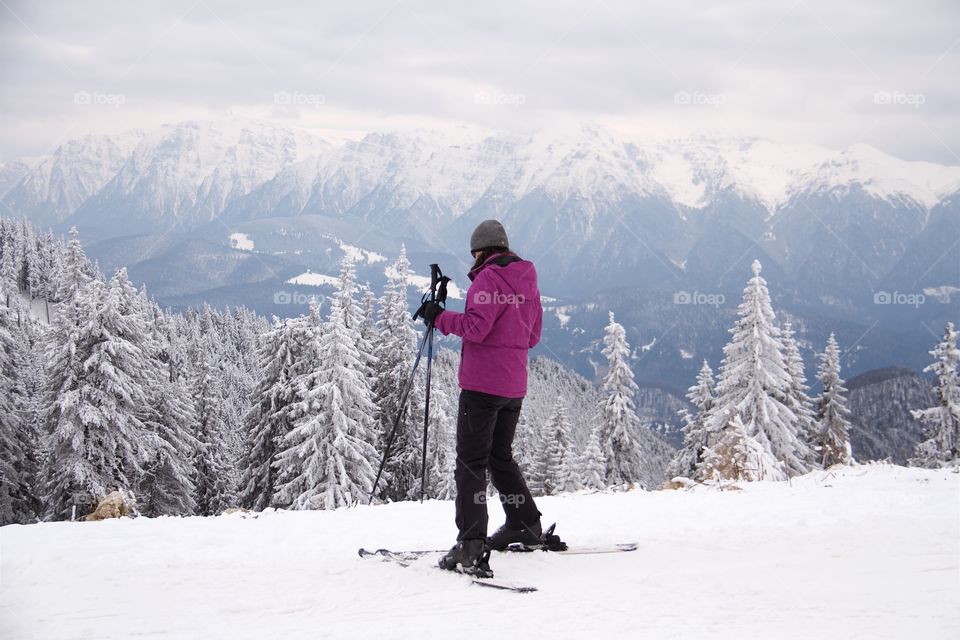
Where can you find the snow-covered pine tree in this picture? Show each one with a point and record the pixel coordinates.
(166, 487)
(833, 424)
(798, 398)
(593, 467)
(215, 477)
(538, 473)
(325, 460)
(368, 308)
(754, 382)
(617, 412)
(525, 447)
(736, 455)
(943, 445)
(97, 440)
(30, 269)
(285, 350)
(570, 477)
(557, 448)
(76, 270)
(396, 349)
(9, 282)
(690, 454)
(441, 449)
(17, 444)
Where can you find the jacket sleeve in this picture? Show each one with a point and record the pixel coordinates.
(537, 326)
(478, 316)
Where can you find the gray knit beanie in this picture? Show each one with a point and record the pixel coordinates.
(489, 233)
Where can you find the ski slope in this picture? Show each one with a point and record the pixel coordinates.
(865, 552)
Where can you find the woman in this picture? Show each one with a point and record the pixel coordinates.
(500, 323)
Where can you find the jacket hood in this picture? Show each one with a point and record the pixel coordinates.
(519, 276)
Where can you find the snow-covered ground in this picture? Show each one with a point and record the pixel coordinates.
(312, 279)
(241, 241)
(867, 552)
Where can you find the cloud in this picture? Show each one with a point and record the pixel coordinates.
(793, 71)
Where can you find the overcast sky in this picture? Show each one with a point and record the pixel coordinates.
(833, 73)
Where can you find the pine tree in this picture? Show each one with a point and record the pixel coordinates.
(943, 445)
(570, 477)
(97, 438)
(325, 459)
(9, 282)
(17, 445)
(690, 454)
(368, 308)
(284, 352)
(538, 474)
(557, 444)
(76, 269)
(754, 382)
(833, 425)
(30, 261)
(214, 472)
(557, 469)
(593, 467)
(797, 397)
(166, 487)
(441, 450)
(396, 350)
(618, 418)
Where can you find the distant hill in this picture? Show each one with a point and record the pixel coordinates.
(880, 404)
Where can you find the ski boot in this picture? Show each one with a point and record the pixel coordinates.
(468, 556)
(505, 536)
(528, 539)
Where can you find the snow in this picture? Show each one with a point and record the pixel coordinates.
(201, 167)
(943, 294)
(311, 279)
(38, 307)
(241, 241)
(361, 255)
(691, 169)
(867, 552)
(422, 283)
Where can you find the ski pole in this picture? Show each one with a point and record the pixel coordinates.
(435, 278)
(401, 409)
(438, 294)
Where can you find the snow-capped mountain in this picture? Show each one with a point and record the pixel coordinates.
(59, 184)
(178, 176)
(598, 213)
(183, 174)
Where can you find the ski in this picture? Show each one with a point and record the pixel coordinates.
(407, 558)
(549, 542)
(621, 547)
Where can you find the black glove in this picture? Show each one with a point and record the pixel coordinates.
(429, 311)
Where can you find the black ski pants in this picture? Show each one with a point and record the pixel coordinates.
(486, 425)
